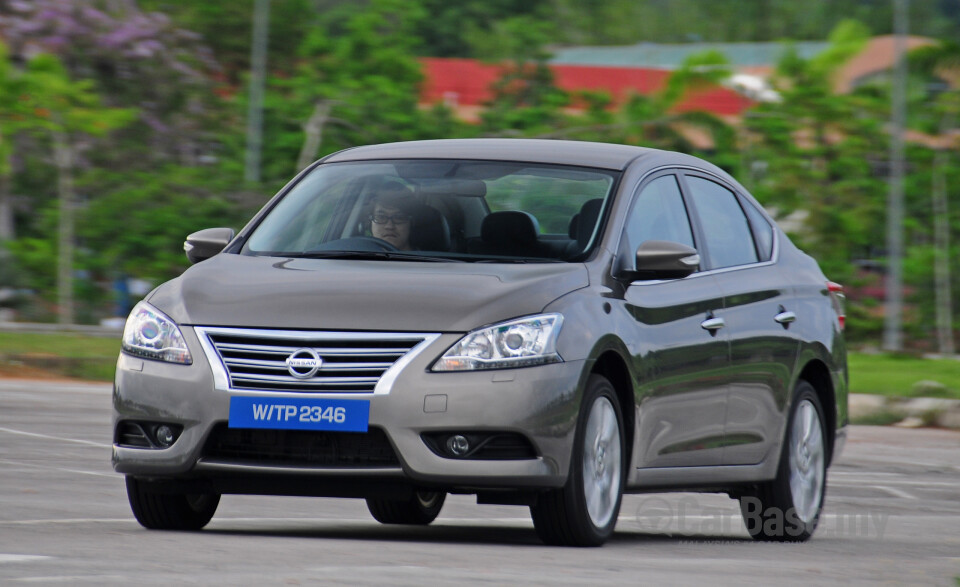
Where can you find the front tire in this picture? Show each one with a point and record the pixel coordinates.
(584, 512)
(174, 511)
(421, 509)
(788, 508)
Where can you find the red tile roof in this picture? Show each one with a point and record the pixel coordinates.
(464, 80)
(466, 83)
(619, 82)
(878, 55)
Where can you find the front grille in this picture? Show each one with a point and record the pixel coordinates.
(306, 448)
(351, 362)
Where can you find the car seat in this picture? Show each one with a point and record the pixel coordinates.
(429, 230)
(582, 225)
(509, 233)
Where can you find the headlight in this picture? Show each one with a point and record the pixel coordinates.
(519, 343)
(150, 334)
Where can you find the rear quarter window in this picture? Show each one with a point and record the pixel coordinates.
(762, 231)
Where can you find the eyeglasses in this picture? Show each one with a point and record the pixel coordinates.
(383, 218)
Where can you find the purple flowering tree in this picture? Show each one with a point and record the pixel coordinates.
(136, 59)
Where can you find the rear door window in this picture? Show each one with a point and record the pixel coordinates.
(729, 241)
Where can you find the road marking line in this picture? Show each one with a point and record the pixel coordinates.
(48, 437)
(65, 521)
(22, 558)
(847, 483)
(939, 467)
(865, 474)
(48, 387)
(62, 469)
(73, 579)
(894, 492)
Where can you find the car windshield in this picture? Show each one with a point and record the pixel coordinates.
(442, 210)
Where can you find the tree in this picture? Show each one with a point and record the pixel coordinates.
(655, 120)
(156, 209)
(826, 155)
(358, 86)
(135, 59)
(659, 120)
(526, 101)
(941, 61)
(479, 29)
(623, 22)
(823, 154)
(10, 116)
(66, 111)
(224, 27)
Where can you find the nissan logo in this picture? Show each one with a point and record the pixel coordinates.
(303, 363)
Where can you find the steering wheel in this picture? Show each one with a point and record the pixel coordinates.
(357, 243)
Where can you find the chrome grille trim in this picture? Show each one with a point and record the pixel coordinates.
(253, 360)
(330, 381)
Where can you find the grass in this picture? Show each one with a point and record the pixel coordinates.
(94, 358)
(61, 344)
(65, 354)
(904, 376)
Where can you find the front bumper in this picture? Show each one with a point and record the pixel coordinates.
(540, 403)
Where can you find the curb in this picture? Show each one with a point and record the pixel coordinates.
(906, 412)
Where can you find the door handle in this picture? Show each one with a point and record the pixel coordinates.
(713, 324)
(785, 317)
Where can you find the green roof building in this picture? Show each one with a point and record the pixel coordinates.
(672, 56)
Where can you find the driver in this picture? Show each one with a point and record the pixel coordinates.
(393, 207)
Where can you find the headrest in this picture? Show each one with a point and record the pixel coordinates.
(511, 226)
(429, 230)
(589, 213)
(473, 188)
(572, 227)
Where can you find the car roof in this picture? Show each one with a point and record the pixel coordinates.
(558, 152)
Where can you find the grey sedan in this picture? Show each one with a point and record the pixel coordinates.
(542, 323)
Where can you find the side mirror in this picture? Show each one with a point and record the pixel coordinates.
(664, 260)
(206, 243)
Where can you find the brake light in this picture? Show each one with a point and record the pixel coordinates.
(839, 302)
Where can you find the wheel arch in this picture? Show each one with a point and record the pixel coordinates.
(612, 366)
(817, 374)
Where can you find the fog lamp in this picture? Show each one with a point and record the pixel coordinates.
(165, 435)
(458, 445)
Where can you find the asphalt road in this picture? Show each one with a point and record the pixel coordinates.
(892, 516)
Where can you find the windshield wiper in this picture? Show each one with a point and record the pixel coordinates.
(370, 256)
(518, 260)
(404, 256)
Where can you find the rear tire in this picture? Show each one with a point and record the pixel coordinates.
(584, 512)
(174, 511)
(421, 509)
(788, 508)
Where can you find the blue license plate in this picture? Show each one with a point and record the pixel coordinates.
(285, 413)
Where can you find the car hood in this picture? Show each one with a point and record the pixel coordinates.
(334, 294)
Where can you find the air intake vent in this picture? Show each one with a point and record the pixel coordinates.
(300, 448)
(132, 435)
(334, 362)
